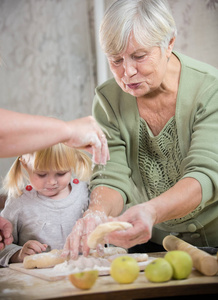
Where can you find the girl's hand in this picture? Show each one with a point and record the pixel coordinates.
(29, 248)
(77, 240)
(142, 218)
(86, 134)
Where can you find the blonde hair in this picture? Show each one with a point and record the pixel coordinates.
(56, 158)
(150, 21)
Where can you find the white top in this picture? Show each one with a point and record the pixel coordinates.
(49, 221)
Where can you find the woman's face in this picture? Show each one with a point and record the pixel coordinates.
(139, 71)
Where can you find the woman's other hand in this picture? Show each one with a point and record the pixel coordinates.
(77, 240)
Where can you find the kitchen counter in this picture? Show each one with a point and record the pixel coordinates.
(15, 285)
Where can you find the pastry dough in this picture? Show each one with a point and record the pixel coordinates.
(109, 251)
(43, 260)
(139, 257)
(97, 235)
(53, 258)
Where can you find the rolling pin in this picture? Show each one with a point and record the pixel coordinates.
(202, 261)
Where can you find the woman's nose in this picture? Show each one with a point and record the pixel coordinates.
(129, 68)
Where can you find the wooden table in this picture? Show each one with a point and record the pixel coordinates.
(15, 285)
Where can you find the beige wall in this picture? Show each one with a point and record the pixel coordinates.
(48, 57)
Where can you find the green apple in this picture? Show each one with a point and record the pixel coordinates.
(124, 269)
(84, 280)
(159, 270)
(181, 263)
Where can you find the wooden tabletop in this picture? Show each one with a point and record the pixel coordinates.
(15, 285)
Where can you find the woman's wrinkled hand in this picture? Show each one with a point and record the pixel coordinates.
(86, 134)
(77, 240)
(142, 220)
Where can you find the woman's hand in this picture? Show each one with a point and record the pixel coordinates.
(86, 134)
(29, 248)
(6, 237)
(77, 240)
(142, 218)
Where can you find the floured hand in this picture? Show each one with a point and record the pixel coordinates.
(77, 240)
(87, 135)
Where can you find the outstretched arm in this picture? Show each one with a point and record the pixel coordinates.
(23, 133)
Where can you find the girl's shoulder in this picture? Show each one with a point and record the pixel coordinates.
(79, 184)
(28, 193)
(80, 188)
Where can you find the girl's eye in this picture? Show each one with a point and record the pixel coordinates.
(61, 174)
(41, 175)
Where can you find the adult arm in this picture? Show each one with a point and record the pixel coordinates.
(104, 202)
(175, 203)
(23, 133)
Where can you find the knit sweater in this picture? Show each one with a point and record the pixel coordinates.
(197, 128)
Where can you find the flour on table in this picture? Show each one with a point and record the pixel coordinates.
(82, 264)
(93, 263)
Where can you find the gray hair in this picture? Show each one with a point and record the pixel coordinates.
(150, 21)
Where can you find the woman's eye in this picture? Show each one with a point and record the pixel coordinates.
(139, 57)
(117, 62)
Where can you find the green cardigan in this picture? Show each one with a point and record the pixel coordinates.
(197, 127)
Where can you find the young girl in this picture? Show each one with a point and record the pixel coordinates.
(44, 212)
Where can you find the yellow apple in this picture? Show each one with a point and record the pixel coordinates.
(181, 263)
(159, 270)
(124, 269)
(84, 280)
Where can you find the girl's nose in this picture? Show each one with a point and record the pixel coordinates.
(52, 180)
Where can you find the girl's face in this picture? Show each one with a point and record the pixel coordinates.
(140, 71)
(51, 184)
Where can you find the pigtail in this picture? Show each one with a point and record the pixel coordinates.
(83, 165)
(13, 183)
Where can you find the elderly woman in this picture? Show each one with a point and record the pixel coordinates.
(160, 115)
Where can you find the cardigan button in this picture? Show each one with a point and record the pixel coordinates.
(192, 227)
(195, 236)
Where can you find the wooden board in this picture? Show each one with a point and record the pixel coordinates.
(50, 275)
(46, 274)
